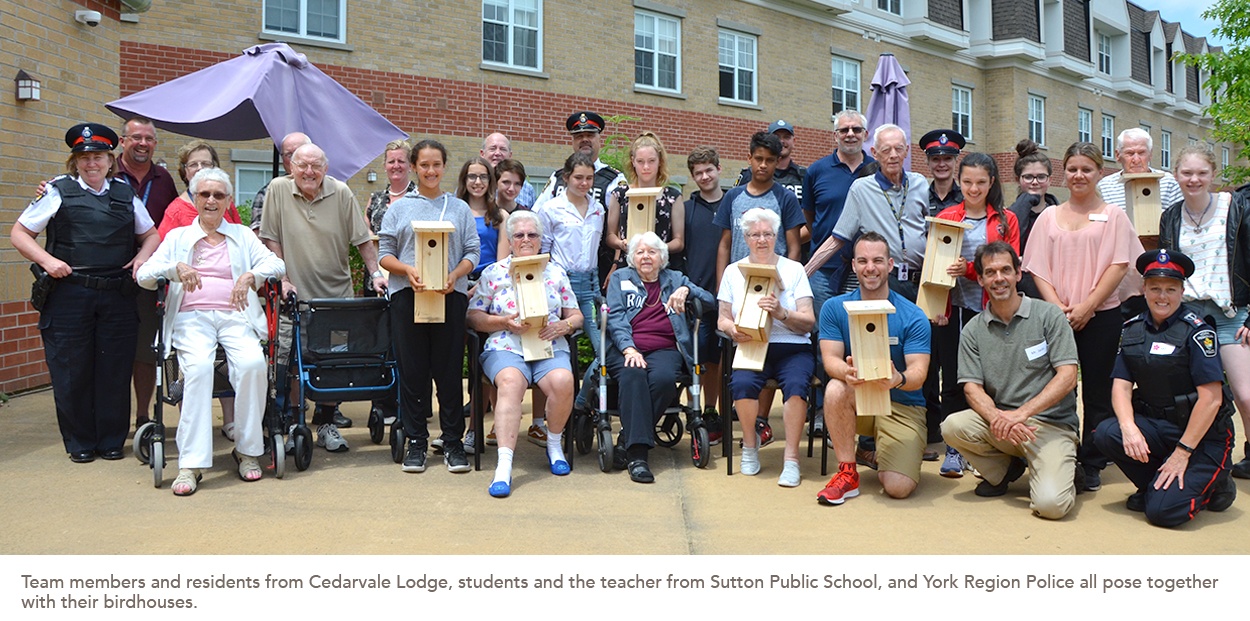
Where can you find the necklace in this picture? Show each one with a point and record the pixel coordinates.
(397, 194)
(1197, 222)
(646, 302)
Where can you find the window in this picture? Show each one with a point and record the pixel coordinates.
(891, 6)
(248, 180)
(737, 66)
(1037, 119)
(1104, 54)
(1084, 125)
(657, 51)
(1224, 158)
(1108, 136)
(511, 32)
(1165, 149)
(845, 85)
(961, 111)
(315, 19)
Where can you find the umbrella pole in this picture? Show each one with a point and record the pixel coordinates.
(276, 157)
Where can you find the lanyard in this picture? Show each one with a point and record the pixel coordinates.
(898, 216)
(147, 188)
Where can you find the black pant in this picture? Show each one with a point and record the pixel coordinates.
(89, 343)
(428, 351)
(644, 393)
(1172, 506)
(1096, 347)
(944, 359)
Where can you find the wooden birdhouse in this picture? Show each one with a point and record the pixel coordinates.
(1142, 201)
(640, 214)
(430, 239)
(945, 242)
(531, 304)
(870, 348)
(761, 280)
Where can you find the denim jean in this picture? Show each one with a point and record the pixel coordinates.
(586, 286)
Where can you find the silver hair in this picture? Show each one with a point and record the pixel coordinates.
(759, 214)
(210, 174)
(837, 118)
(523, 215)
(885, 127)
(1135, 133)
(310, 147)
(651, 239)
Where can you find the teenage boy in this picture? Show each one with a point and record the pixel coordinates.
(702, 247)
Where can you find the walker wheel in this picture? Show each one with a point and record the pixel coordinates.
(668, 432)
(377, 428)
(397, 443)
(583, 433)
(158, 463)
(277, 454)
(303, 448)
(606, 447)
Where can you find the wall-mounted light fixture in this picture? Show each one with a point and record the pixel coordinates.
(371, 176)
(27, 86)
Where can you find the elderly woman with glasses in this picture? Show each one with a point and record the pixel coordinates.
(214, 269)
(193, 157)
(493, 309)
(790, 360)
(649, 341)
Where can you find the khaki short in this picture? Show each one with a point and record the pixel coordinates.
(901, 438)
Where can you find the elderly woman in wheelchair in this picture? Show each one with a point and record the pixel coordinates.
(214, 269)
(649, 342)
(495, 309)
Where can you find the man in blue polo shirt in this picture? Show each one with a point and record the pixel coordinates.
(900, 436)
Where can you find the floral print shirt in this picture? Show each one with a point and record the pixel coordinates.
(495, 295)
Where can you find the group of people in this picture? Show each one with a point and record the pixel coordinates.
(1042, 288)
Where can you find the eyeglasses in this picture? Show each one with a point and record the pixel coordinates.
(760, 236)
(521, 236)
(306, 165)
(845, 131)
(133, 138)
(477, 177)
(198, 165)
(1034, 178)
(218, 196)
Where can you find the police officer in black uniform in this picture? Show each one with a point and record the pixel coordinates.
(94, 225)
(1172, 434)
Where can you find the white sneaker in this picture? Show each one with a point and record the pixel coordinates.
(789, 475)
(750, 464)
(328, 437)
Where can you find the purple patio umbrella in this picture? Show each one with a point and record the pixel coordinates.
(889, 100)
(269, 91)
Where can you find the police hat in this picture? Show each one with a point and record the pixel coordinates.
(780, 124)
(584, 121)
(1164, 263)
(942, 142)
(90, 137)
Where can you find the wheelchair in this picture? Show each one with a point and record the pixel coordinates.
(340, 351)
(149, 439)
(595, 426)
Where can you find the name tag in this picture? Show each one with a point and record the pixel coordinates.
(893, 340)
(1097, 217)
(628, 286)
(902, 272)
(1162, 349)
(1036, 351)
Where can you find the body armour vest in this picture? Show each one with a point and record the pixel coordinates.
(95, 235)
(1160, 365)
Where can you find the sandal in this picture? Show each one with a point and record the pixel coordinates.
(227, 430)
(640, 472)
(249, 467)
(187, 482)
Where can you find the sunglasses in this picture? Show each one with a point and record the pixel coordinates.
(220, 196)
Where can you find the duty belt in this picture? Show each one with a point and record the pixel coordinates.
(97, 282)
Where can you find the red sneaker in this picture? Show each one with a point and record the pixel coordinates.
(843, 485)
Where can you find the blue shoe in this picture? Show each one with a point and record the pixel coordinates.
(559, 467)
(953, 466)
(500, 489)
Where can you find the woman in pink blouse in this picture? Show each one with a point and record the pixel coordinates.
(1078, 252)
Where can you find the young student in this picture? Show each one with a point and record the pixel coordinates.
(699, 264)
(761, 191)
(423, 348)
(647, 167)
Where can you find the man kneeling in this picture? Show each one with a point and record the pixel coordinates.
(901, 436)
(1017, 363)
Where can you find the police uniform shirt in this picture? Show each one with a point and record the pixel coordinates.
(1200, 347)
(41, 210)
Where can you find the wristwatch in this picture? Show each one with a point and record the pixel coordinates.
(377, 274)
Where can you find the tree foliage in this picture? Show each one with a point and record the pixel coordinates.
(1227, 82)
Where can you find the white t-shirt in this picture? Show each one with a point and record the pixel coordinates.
(796, 287)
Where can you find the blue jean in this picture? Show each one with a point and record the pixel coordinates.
(586, 287)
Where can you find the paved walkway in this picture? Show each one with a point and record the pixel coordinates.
(361, 503)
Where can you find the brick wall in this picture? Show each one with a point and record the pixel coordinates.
(21, 349)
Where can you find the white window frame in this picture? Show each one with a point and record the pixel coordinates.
(1165, 149)
(242, 194)
(302, 8)
(845, 88)
(738, 39)
(1105, 59)
(514, 28)
(961, 110)
(1224, 153)
(1084, 125)
(1037, 119)
(893, 7)
(656, 19)
(1107, 136)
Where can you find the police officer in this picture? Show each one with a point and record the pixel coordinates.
(941, 149)
(1172, 435)
(88, 321)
